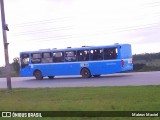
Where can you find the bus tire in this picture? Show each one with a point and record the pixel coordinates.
(50, 77)
(85, 72)
(96, 76)
(38, 75)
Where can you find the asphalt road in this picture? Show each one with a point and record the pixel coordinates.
(118, 79)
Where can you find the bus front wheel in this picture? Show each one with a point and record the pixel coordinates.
(38, 75)
(85, 73)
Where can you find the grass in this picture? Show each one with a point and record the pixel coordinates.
(130, 98)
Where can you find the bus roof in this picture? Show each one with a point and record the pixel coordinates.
(79, 48)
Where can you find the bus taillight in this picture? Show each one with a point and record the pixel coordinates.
(122, 63)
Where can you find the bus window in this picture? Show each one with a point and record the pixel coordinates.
(96, 54)
(24, 60)
(36, 58)
(83, 55)
(58, 57)
(70, 56)
(47, 57)
(110, 53)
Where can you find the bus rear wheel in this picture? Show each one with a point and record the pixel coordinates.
(38, 75)
(50, 77)
(85, 73)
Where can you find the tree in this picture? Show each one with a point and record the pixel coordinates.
(16, 65)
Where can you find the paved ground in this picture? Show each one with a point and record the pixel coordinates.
(118, 79)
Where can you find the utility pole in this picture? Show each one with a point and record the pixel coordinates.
(4, 29)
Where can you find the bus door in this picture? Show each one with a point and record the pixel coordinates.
(110, 58)
(72, 68)
(96, 56)
(25, 68)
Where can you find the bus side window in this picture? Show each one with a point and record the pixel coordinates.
(47, 57)
(96, 54)
(70, 56)
(58, 57)
(86, 55)
(110, 53)
(36, 58)
(83, 55)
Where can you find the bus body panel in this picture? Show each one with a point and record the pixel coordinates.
(61, 69)
(58, 69)
(104, 67)
(27, 72)
(126, 55)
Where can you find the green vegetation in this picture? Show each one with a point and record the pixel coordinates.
(96, 98)
(130, 98)
(147, 56)
(146, 62)
(15, 68)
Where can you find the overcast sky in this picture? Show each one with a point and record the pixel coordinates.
(40, 24)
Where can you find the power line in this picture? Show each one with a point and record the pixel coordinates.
(119, 29)
(42, 31)
(157, 14)
(40, 22)
(62, 37)
(122, 29)
(151, 3)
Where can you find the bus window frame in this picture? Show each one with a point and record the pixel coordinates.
(69, 58)
(97, 56)
(58, 59)
(47, 59)
(110, 56)
(84, 56)
(37, 60)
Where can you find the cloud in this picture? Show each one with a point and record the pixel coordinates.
(36, 24)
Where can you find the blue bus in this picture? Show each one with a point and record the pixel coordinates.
(87, 61)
